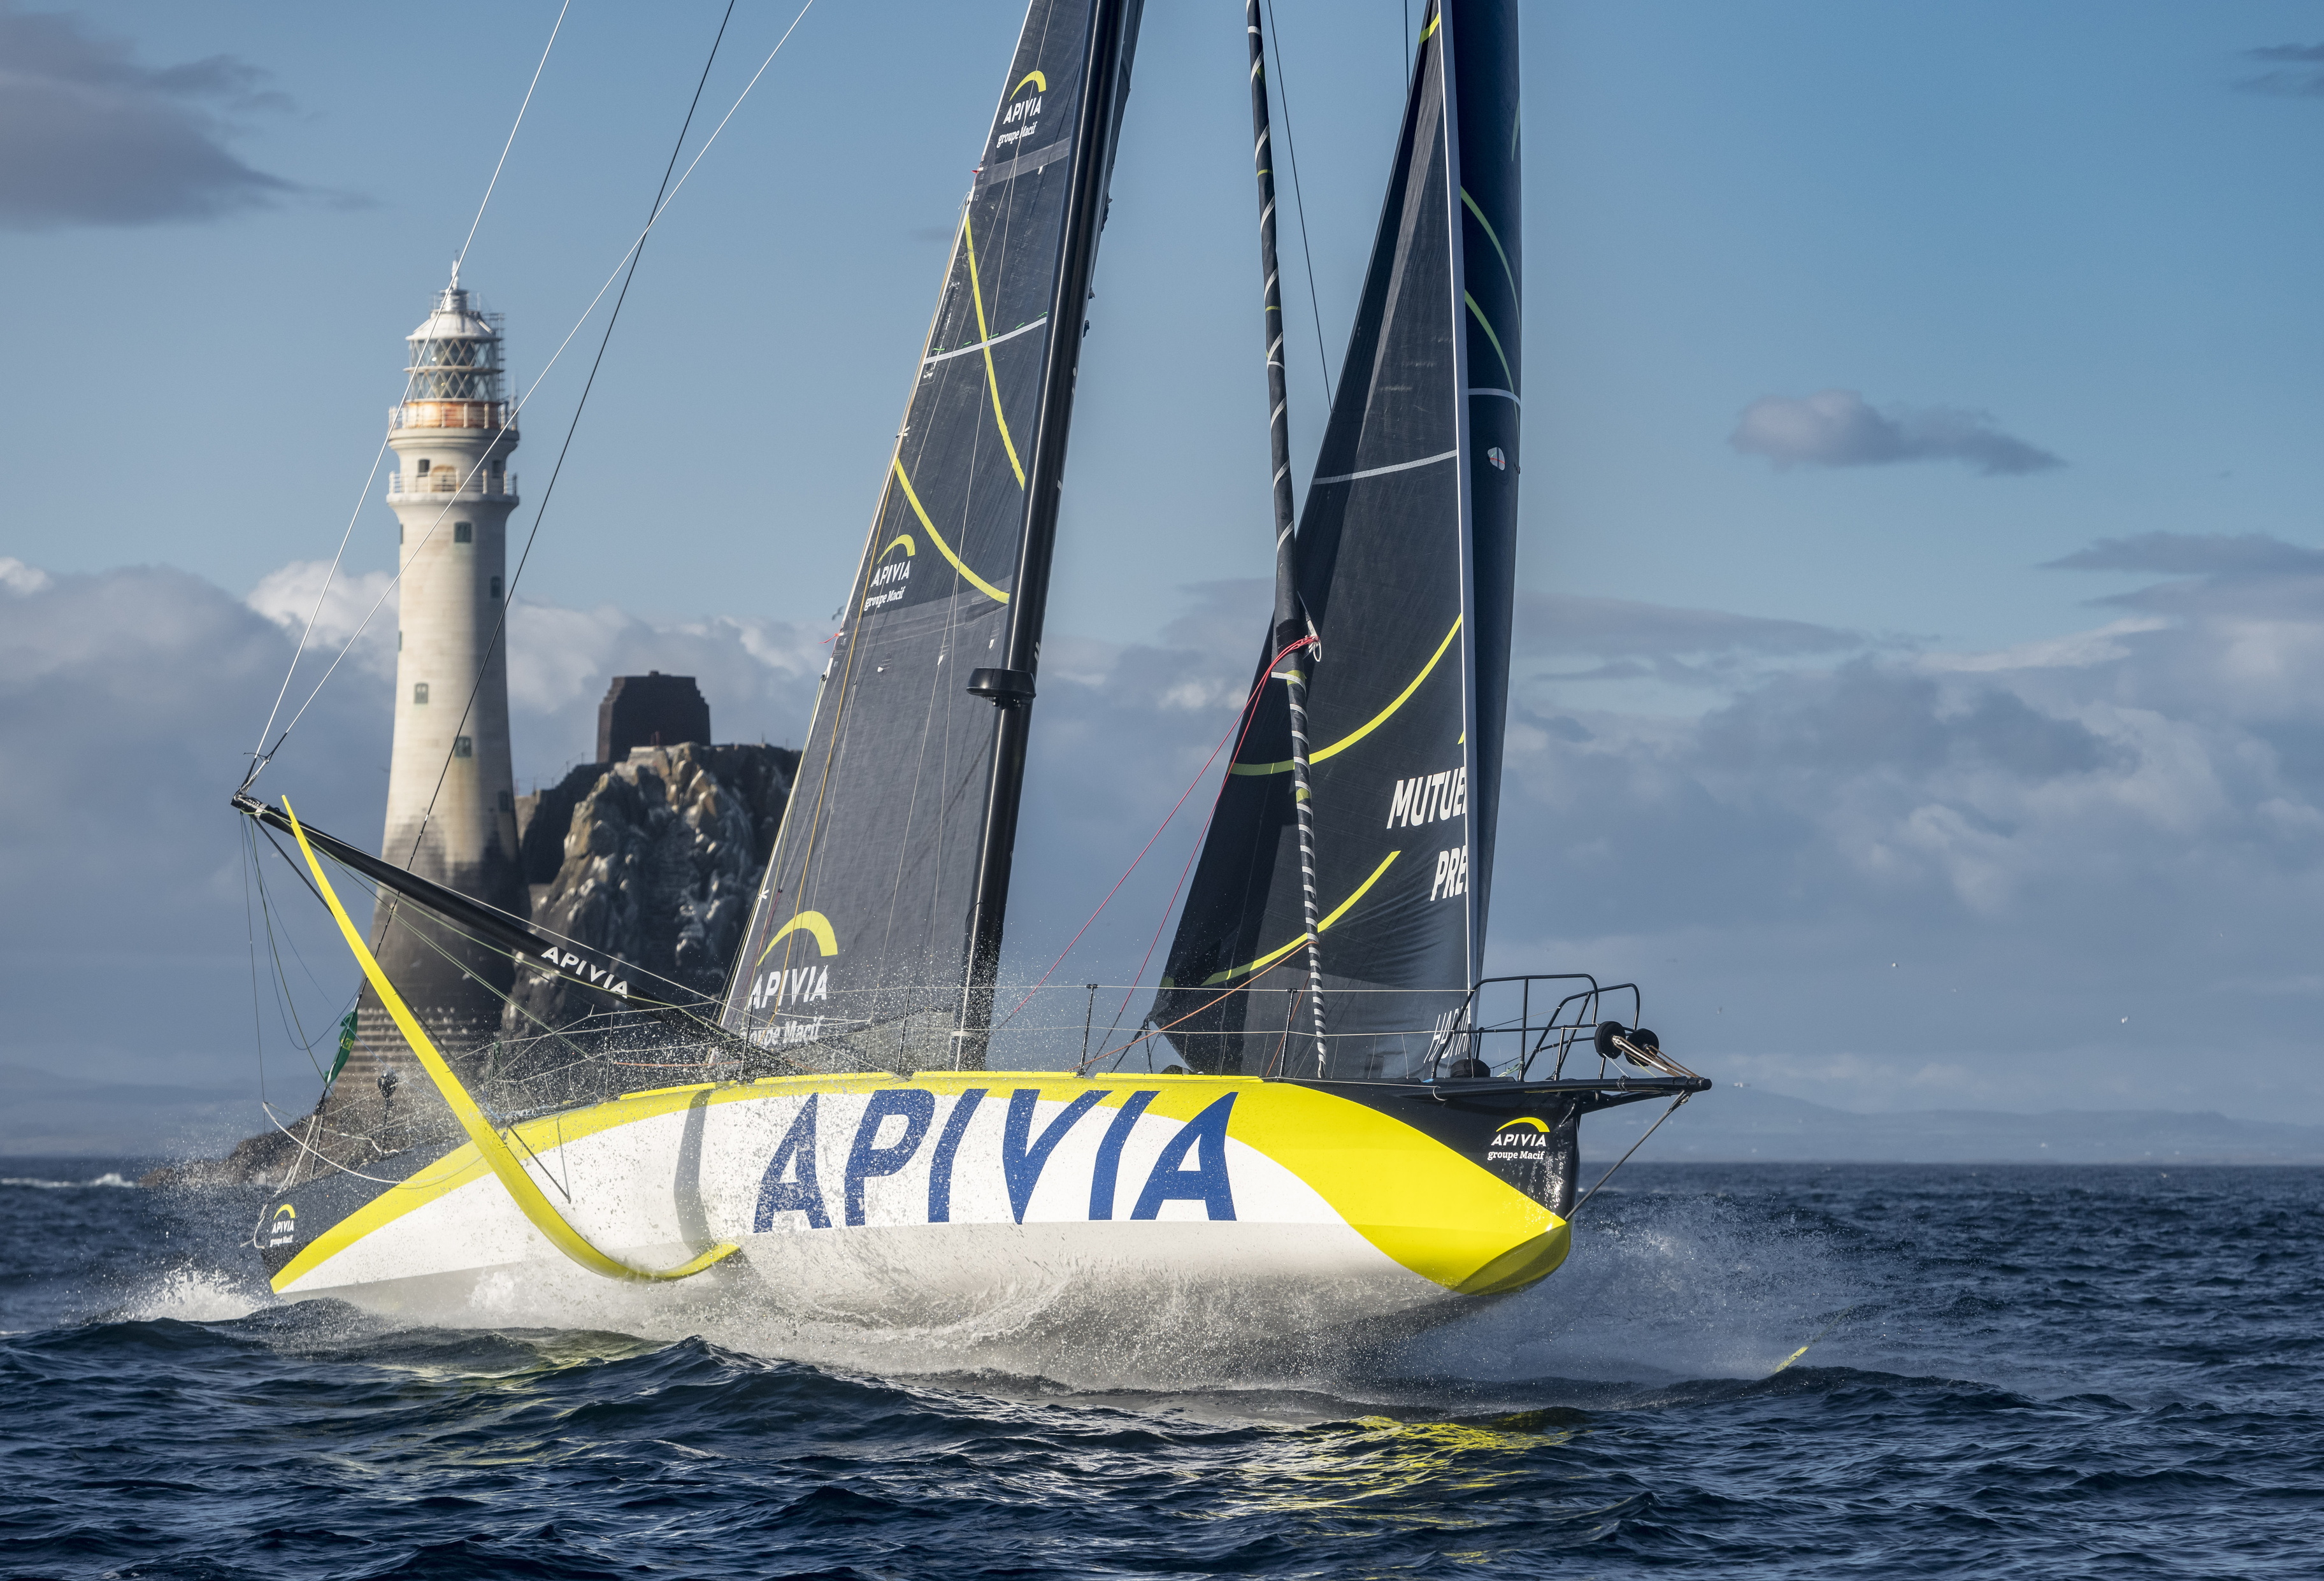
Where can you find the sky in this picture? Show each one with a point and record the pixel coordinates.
(1923, 619)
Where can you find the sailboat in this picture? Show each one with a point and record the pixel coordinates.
(1328, 1107)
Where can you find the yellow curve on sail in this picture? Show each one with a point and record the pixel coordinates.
(818, 927)
(936, 537)
(1339, 910)
(521, 1188)
(1377, 720)
(1493, 236)
(911, 549)
(1486, 325)
(984, 334)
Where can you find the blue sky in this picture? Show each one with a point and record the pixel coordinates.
(1848, 323)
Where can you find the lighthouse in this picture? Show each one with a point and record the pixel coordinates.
(451, 807)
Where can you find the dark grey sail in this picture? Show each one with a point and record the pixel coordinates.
(882, 901)
(1406, 563)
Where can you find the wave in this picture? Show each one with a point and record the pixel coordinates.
(110, 1179)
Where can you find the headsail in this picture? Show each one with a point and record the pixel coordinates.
(1407, 554)
(905, 802)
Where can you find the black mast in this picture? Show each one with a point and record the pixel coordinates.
(1290, 622)
(1011, 685)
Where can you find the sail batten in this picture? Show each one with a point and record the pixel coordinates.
(894, 831)
(1405, 567)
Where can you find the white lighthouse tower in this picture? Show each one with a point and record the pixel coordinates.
(451, 809)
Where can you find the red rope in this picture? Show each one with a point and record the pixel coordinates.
(1248, 717)
(1248, 714)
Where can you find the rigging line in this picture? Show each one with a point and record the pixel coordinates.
(266, 911)
(505, 1165)
(437, 919)
(1619, 1162)
(1191, 785)
(470, 240)
(637, 255)
(285, 1004)
(518, 406)
(1299, 204)
(1248, 717)
(1219, 998)
(250, 928)
(330, 1163)
(581, 1057)
(259, 755)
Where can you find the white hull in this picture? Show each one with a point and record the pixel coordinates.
(911, 1203)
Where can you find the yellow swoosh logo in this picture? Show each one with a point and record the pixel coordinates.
(1035, 78)
(904, 538)
(817, 926)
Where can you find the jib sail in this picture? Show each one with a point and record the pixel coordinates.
(881, 903)
(1406, 555)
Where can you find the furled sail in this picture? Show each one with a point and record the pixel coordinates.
(882, 899)
(1406, 562)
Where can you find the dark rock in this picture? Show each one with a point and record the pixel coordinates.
(662, 856)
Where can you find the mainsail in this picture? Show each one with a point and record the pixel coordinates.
(879, 917)
(1406, 564)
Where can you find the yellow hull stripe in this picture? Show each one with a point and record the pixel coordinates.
(984, 335)
(936, 537)
(482, 1137)
(1378, 719)
(1339, 910)
(1415, 1200)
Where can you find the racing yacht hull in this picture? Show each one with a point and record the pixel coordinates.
(926, 1198)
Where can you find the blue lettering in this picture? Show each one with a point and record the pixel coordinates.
(1206, 1182)
(1108, 1152)
(801, 1195)
(915, 1107)
(947, 1147)
(1023, 1154)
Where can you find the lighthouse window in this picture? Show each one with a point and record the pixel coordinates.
(464, 532)
(497, 587)
(463, 747)
(418, 690)
(423, 467)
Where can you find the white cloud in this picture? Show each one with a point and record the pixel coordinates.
(358, 606)
(2128, 821)
(1837, 428)
(2075, 650)
(18, 577)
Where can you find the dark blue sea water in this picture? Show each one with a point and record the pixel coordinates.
(2038, 1371)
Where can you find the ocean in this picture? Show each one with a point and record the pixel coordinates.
(2052, 1372)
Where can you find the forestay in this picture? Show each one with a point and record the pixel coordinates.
(1406, 550)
